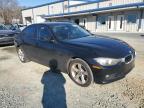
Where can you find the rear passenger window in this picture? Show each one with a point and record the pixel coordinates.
(44, 33)
(30, 32)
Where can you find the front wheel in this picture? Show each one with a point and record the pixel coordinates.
(22, 55)
(80, 72)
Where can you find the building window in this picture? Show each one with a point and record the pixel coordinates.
(65, 7)
(131, 18)
(102, 20)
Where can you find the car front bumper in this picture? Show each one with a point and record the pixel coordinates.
(113, 73)
(6, 40)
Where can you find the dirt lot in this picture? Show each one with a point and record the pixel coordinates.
(33, 86)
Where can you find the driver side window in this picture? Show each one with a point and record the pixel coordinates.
(44, 33)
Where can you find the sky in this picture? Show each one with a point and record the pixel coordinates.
(29, 3)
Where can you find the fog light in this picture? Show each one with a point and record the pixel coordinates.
(107, 76)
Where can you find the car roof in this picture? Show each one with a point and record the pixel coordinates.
(53, 23)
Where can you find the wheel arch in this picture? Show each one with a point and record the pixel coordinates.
(84, 63)
(16, 44)
(73, 58)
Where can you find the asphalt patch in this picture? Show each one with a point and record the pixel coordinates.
(9, 49)
(4, 58)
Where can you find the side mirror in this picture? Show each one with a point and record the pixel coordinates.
(14, 29)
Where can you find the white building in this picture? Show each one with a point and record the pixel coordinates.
(96, 16)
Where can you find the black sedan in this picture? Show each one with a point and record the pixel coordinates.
(6, 35)
(84, 57)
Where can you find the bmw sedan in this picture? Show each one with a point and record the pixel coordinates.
(86, 58)
(6, 36)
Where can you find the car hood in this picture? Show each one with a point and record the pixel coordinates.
(6, 32)
(103, 46)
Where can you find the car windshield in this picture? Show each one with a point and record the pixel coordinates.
(69, 31)
(2, 27)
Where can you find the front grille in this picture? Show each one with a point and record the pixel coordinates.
(128, 58)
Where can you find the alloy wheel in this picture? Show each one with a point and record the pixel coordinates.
(79, 73)
(21, 54)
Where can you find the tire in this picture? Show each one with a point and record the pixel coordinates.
(22, 56)
(80, 72)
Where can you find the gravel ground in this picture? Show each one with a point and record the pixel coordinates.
(32, 85)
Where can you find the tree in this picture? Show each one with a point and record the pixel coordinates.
(9, 9)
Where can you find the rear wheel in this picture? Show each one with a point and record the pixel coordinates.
(22, 55)
(80, 72)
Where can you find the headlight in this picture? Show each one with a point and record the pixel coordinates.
(107, 61)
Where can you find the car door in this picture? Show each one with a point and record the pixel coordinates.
(46, 52)
(62, 55)
(29, 45)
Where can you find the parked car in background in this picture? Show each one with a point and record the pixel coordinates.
(22, 26)
(71, 49)
(15, 27)
(6, 35)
